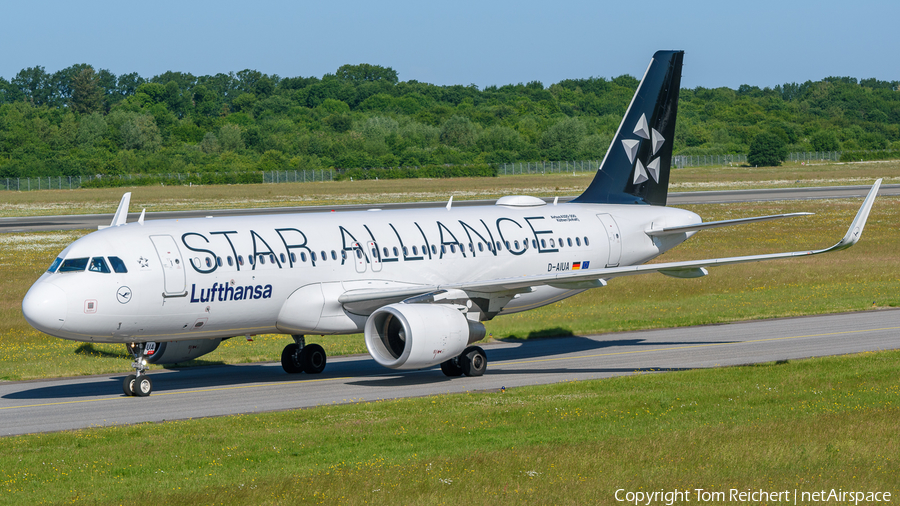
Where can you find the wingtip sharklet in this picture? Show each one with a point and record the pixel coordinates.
(859, 222)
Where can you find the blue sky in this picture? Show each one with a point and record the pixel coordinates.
(760, 42)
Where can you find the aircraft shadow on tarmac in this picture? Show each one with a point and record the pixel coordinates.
(369, 373)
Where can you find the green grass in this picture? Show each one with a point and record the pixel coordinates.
(808, 425)
(169, 198)
(844, 281)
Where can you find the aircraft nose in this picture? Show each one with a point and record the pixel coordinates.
(44, 307)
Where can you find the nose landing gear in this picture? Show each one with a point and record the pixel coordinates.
(300, 357)
(138, 384)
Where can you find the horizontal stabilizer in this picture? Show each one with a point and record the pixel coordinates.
(715, 224)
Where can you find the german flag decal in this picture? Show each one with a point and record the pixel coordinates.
(577, 266)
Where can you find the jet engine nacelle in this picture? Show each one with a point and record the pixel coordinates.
(172, 352)
(415, 336)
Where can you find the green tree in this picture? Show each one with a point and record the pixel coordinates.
(34, 84)
(825, 140)
(141, 132)
(87, 96)
(366, 72)
(91, 129)
(459, 132)
(230, 138)
(209, 144)
(560, 141)
(767, 150)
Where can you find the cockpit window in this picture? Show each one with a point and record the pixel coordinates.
(98, 264)
(74, 265)
(55, 265)
(118, 265)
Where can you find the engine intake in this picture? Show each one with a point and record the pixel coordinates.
(416, 336)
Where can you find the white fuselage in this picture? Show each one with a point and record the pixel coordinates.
(229, 276)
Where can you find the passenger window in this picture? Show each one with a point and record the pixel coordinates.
(443, 249)
(433, 249)
(415, 251)
(569, 241)
(55, 265)
(302, 256)
(452, 248)
(262, 260)
(405, 251)
(507, 245)
(333, 255)
(283, 258)
(586, 243)
(386, 254)
(240, 259)
(323, 256)
(480, 246)
(516, 243)
(98, 264)
(344, 253)
(312, 255)
(534, 243)
(118, 265)
(230, 261)
(73, 265)
(272, 258)
(396, 252)
(359, 253)
(552, 243)
(561, 243)
(499, 246)
(251, 259)
(578, 241)
(543, 243)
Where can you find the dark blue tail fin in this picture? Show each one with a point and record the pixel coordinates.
(635, 169)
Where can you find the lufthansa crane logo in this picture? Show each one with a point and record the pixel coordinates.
(123, 295)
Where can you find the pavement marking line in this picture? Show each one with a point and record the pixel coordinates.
(235, 387)
(508, 362)
(513, 362)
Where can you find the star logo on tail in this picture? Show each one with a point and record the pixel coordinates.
(643, 173)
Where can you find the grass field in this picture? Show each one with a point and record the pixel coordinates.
(810, 425)
(169, 198)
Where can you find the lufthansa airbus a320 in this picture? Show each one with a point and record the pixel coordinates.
(418, 283)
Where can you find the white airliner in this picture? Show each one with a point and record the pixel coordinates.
(418, 283)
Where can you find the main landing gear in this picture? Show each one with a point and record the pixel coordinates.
(472, 362)
(138, 384)
(301, 357)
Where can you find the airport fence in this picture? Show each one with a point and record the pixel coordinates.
(308, 176)
(513, 169)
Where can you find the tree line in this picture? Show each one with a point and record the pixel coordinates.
(82, 121)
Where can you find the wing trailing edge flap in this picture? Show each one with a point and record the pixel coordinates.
(686, 269)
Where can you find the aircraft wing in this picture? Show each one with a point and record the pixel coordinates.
(596, 277)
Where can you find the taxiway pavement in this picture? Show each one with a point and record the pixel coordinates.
(76, 403)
